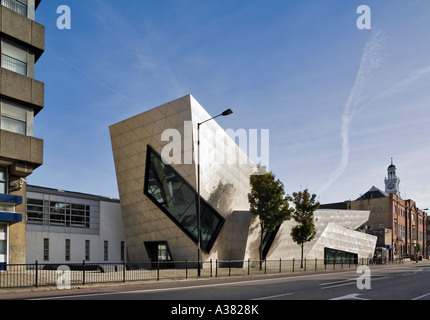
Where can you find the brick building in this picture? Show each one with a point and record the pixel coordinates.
(399, 224)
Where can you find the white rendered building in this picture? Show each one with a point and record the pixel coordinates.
(66, 227)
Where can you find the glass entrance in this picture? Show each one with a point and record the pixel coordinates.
(3, 246)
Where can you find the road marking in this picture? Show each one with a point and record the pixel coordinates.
(340, 281)
(353, 281)
(418, 298)
(352, 296)
(277, 296)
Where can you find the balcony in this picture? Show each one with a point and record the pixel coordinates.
(25, 152)
(22, 88)
(27, 31)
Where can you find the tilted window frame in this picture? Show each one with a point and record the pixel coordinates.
(150, 150)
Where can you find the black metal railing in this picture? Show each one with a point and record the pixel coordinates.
(76, 274)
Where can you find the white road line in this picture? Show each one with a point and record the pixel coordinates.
(340, 281)
(354, 282)
(277, 296)
(418, 298)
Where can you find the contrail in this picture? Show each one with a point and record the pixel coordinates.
(370, 61)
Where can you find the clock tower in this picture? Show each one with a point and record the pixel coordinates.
(392, 181)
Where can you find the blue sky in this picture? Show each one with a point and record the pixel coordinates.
(339, 102)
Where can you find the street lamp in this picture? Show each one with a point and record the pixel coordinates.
(199, 227)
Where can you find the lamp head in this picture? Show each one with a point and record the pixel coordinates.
(227, 112)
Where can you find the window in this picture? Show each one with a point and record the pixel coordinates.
(178, 200)
(46, 249)
(16, 118)
(35, 211)
(105, 251)
(87, 250)
(158, 251)
(19, 6)
(58, 213)
(14, 57)
(122, 250)
(395, 227)
(3, 180)
(67, 256)
(338, 256)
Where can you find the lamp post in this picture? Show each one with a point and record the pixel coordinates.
(199, 226)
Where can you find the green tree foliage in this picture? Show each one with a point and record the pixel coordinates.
(305, 206)
(267, 201)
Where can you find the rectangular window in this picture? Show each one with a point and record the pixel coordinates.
(35, 211)
(67, 255)
(105, 251)
(14, 57)
(58, 213)
(395, 227)
(87, 250)
(14, 117)
(3, 180)
(122, 250)
(19, 6)
(46, 249)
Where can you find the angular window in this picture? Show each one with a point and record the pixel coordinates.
(178, 200)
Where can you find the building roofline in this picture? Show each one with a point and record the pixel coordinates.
(75, 194)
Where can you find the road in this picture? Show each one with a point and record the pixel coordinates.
(253, 296)
(408, 281)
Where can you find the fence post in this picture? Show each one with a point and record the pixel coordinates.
(83, 272)
(305, 264)
(216, 268)
(123, 270)
(265, 266)
(229, 268)
(35, 279)
(211, 270)
(293, 264)
(280, 265)
(316, 264)
(248, 266)
(158, 270)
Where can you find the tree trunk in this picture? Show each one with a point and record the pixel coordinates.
(301, 260)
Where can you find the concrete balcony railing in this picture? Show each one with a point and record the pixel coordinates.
(25, 152)
(22, 88)
(25, 30)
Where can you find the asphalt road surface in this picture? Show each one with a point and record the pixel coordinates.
(262, 297)
(409, 281)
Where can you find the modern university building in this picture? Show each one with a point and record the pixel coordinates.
(155, 155)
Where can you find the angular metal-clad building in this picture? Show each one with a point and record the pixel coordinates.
(155, 155)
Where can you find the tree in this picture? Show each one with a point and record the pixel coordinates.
(267, 201)
(303, 214)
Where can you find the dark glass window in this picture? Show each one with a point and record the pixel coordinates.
(178, 200)
(338, 256)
